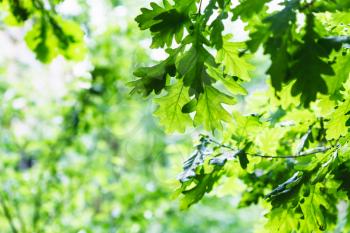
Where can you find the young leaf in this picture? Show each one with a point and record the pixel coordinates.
(313, 208)
(166, 22)
(210, 112)
(336, 126)
(154, 78)
(342, 69)
(196, 160)
(229, 82)
(191, 66)
(170, 106)
(234, 64)
(282, 220)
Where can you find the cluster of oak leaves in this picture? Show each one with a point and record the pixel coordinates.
(293, 138)
(288, 145)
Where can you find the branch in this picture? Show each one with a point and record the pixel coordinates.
(200, 7)
(309, 152)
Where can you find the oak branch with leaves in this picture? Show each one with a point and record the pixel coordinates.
(288, 144)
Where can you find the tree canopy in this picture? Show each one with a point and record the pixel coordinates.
(268, 113)
(289, 144)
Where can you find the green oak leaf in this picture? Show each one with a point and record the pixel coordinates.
(192, 67)
(166, 23)
(332, 6)
(169, 111)
(53, 36)
(268, 139)
(277, 44)
(245, 127)
(188, 6)
(282, 220)
(154, 78)
(278, 70)
(282, 20)
(308, 77)
(313, 208)
(195, 182)
(340, 18)
(273, 26)
(217, 27)
(326, 168)
(342, 69)
(19, 11)
(195, 161)
(146, 19)
(286, 186)
(234, 64)
(336, 126)
(228, 81)
(258, 35)
(247, 8)
(209, 112)
(204, 185)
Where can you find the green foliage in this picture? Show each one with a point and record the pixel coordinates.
(154, 78)
(166, 23)
(194, 61)
(51, 35)
(58, 36)
(286, 143)
(310, 53)
(234, 65)
(210, 111)
(271, 111)
(170, 108)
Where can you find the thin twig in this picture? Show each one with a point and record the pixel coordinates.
(200, 7)
(301, 154)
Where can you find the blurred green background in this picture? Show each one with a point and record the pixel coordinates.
(80, 154)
